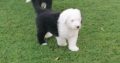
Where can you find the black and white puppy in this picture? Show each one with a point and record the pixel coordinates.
(64, 25)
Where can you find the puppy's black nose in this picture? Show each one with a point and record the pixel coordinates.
(78, 26)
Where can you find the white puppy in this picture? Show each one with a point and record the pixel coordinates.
(69, 23)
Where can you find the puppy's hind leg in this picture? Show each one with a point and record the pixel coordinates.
(40, 37)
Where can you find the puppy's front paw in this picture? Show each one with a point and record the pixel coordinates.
(74, 48)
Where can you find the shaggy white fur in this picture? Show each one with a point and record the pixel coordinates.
(69, 23)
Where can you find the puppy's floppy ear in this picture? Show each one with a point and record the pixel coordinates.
(66, 19)
(79, 11)
(63, 18)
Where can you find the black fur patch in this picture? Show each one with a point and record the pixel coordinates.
(46, 22)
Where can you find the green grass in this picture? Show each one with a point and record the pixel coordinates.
(99, 38)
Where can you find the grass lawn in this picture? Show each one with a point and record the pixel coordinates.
(99, 38)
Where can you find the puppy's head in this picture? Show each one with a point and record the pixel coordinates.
(73, 19)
